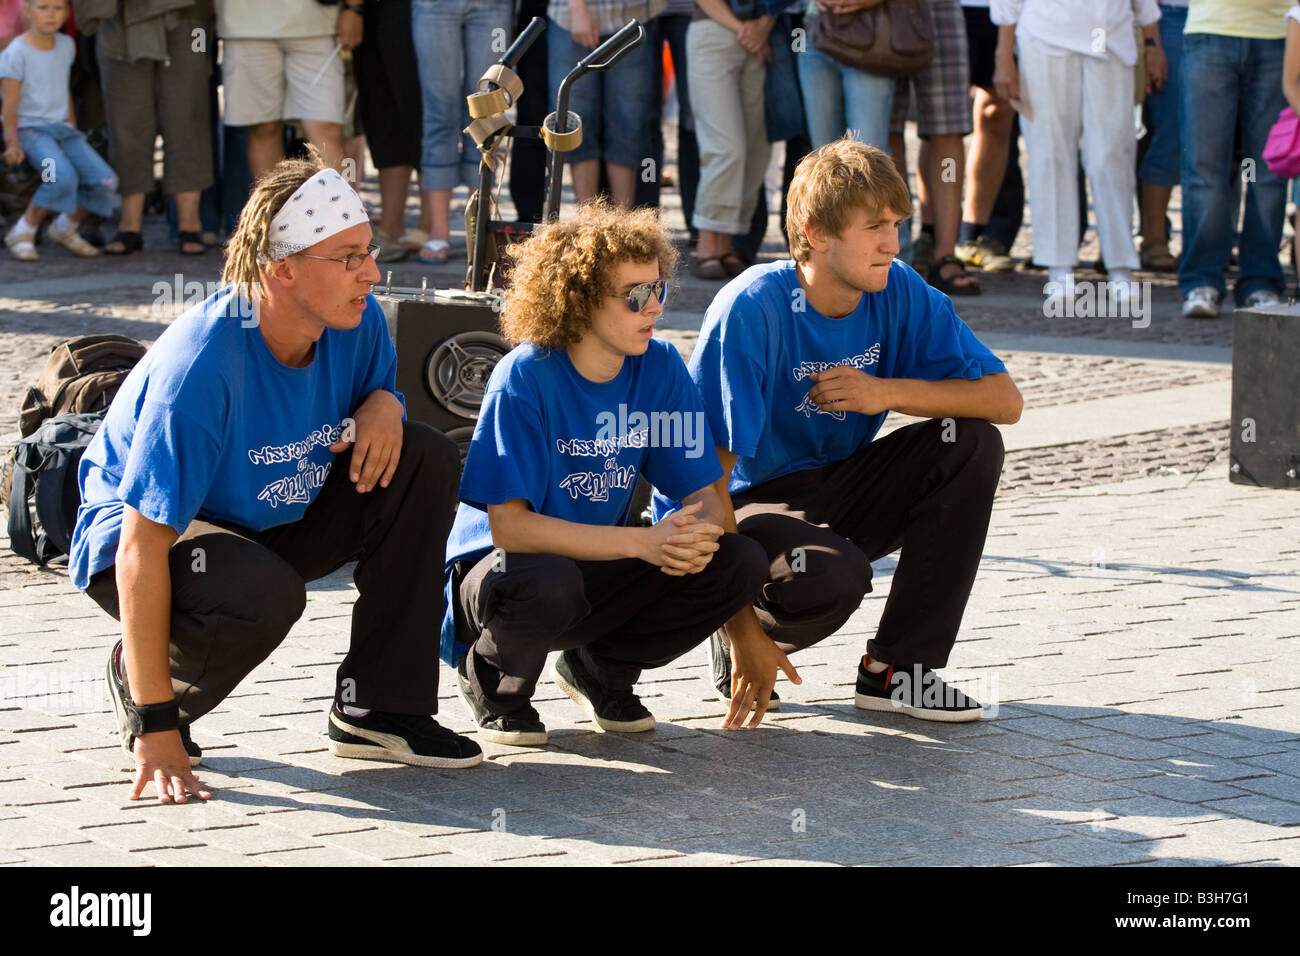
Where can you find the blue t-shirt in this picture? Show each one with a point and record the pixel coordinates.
(761, 340)
(573, 448)
(210, 424)
(43, 99)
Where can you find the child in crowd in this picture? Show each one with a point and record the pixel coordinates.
(39, 125)
(539, 558)
(1075, 78)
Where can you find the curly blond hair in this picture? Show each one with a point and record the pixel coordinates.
(249, 246)
(832, 183)
(564, 271)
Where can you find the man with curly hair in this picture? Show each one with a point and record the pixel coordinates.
(798, 363)
(540, 558)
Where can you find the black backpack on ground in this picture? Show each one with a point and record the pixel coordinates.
(44, 498)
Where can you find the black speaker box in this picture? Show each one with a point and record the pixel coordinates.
(447, 344)
(1265, 448)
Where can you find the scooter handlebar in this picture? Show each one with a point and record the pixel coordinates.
(615, 48)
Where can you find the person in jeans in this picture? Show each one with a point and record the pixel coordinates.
(1158, 165)
(455, 42)
(727, 61)
(798, 363)
(40, 126)
(1232, 90)
(261, 444)
(616, 106)
(842, 97)
(539, 558)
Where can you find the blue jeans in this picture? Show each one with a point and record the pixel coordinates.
(1230, 84)
(1160, 161)
(455, 41)
(72, 173)
(838, 97)
(617, 106)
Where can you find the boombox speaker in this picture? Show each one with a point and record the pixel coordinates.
(447, 344)
(1265, 446)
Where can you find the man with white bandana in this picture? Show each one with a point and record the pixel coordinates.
(260, 444)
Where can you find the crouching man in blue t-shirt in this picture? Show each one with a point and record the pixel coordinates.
(798, 363)
(221, 481)
(539, 558)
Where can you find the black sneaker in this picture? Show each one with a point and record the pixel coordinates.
(620, 712)
(917, 691)
(720, 668)
(404, 738)
(523, 728)
(117, 693)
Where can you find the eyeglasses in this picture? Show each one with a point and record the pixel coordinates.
(639, 295)
(353, 262)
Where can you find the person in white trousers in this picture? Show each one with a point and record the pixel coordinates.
(1075, 77)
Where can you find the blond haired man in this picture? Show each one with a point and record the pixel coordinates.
(222, 480)
(798, 364)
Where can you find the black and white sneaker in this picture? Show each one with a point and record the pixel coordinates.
(522, 728)
(720, 671)
(917, 691)
(117, 693)
(619, 712)
(404, 738)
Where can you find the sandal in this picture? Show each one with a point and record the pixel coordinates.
(22, 248)
(128, 240)
(436, 250)
(733, 263)
(953, 284)
(709, 268)
(1157, 258)
(191, 239)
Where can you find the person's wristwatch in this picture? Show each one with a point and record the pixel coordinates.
(1149, 41)
(152, 718)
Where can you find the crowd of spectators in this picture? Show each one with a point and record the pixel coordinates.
(1117, 101)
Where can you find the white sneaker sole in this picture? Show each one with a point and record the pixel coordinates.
(612, 726)
(393, 749)
(533, 739)
(890, 706)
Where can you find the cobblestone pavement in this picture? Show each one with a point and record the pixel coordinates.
(1135, 631)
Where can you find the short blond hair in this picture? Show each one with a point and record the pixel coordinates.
(830, 184)
(563, 272)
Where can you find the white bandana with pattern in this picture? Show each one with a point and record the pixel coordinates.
(321, 207)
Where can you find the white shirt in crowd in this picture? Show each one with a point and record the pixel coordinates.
(1073, 26)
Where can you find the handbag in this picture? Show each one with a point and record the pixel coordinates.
(894, 39)
(1282, 151)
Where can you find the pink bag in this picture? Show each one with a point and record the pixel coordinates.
(1282, 151)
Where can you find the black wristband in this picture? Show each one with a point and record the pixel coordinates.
(152, 718)
(1149, 41)
(356, 8)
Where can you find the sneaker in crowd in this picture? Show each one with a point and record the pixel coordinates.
(1201, 303)
(720, 671)
(917, 691)
(117, 693)
(621, 712)
(1262, 297)
(521, 728)
(70, 239)
(985, 254)
(403, 738)
(21, 242)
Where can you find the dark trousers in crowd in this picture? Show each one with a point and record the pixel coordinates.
(822, 528)
(528, 156)
(622, 616)
(1009, 207)
(236, 593)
